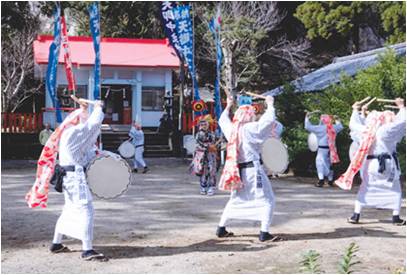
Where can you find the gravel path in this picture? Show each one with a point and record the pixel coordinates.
(162, 225)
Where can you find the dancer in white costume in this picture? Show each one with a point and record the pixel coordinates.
(77, 148)
(326, 155)
(252, 197)
(137, 135)
(380, 170)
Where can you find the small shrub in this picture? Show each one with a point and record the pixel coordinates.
(309, 263)
(346, 262)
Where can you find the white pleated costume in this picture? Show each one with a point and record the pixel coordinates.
(381, 190)
(77, 148)
(255, 201)
(138, 142)
(322, 161)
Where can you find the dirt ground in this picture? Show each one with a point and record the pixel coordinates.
(163, 225)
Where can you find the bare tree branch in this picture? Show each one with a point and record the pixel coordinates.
(17, 68)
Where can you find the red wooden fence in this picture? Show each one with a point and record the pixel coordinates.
(21, 122)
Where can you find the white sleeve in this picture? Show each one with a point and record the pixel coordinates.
(279, 128)
(356, 124)
(338, 127)
(258, 132)
(313, 128)
(396, 130)
(86, 133)
(309, 126)
(225, 124)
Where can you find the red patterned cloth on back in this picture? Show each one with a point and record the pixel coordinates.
(327, 120)
(373, 122)
(230, 179)
(38, 194)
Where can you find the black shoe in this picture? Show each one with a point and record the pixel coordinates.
(58, 248)
(397, 221)
(135, 170)
(222, 233)
(331, 183)
(320, 183)
(92, 255)
(265, 236)
(354, 219)
(145, 170)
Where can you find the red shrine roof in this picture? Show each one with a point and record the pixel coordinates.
(119, 52)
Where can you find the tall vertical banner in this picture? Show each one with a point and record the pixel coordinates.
(51, 78)
(214, 27)
(67, 56)
(95, 30)
(183, 27)
(167, 16)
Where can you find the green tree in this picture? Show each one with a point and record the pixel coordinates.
(339, 20)
(384, 80)
(128, 19)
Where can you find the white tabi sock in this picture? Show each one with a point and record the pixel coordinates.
(265, 226)
(358, 207)
(57, 238)
(223, 221)
(320, 176)
(396, 212)
(87, 245)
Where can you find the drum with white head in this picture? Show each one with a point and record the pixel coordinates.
(189, 144)
(108, 175)
(275, 156)
(126, 149)
(312, 142)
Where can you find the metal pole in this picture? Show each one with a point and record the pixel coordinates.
(181, 95)
(193, 62)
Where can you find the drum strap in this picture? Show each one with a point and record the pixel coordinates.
(247, 164)
(140, 145)
(382, 160)
(71, 168)
(323, 147)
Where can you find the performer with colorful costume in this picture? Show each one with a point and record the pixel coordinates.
(252, 196)
(204, 163)
(326, 133)
(74, 140)
(377, 161)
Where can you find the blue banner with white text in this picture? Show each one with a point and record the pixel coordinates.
(95, 30)
(51, 78)
(167, 17)
(183, 27)
(214, 27)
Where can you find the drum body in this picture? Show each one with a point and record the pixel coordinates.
(312, 142)
(275, 156)
(108, 175)
(126, 149)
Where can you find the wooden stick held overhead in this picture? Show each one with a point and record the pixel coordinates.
(386, 100)
(364, 100)
(391, 107)
(254, 95)
(82, 100)
(370, 102)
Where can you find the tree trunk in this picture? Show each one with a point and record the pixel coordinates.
(230, 75)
